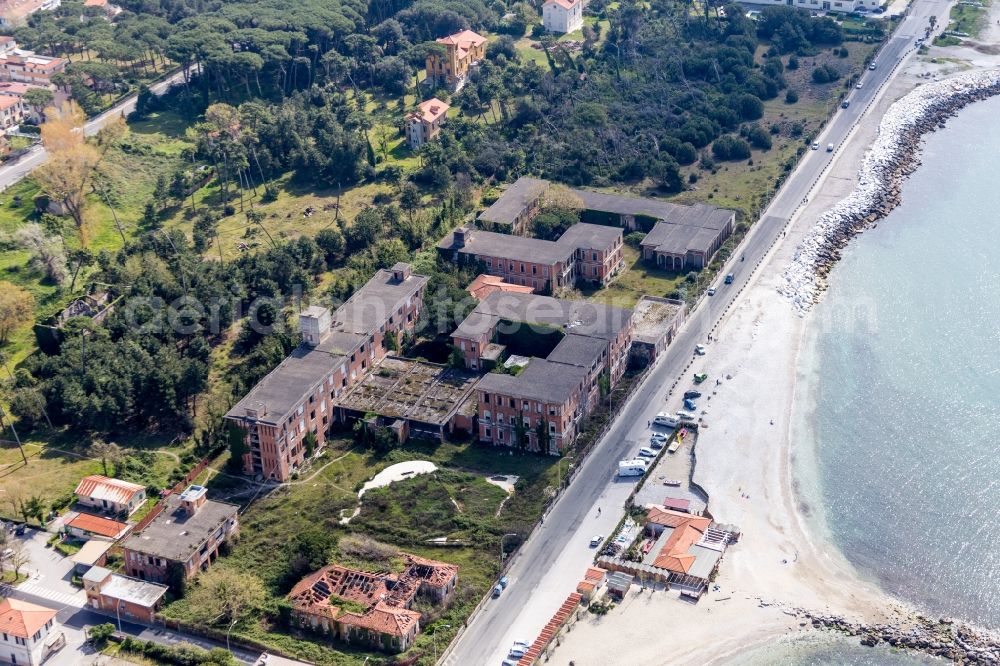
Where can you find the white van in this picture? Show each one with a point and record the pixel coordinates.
(664, 419)
(635, 467)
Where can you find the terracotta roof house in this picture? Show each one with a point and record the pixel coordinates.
(463, 51)
(484, 285)
(110, 495)
(562, 15)
(86, 526)
(371, 608)
(28, 632)
(424, 124)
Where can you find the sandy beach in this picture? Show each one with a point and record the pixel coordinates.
(745, 461)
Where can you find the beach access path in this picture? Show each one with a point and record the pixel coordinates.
(552, 561)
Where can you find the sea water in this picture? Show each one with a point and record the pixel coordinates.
(902, 375)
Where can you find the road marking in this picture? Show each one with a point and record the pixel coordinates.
(77, 600)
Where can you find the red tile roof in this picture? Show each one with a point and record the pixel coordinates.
(97, 525)
(688, 530)
(565, 4)
(384, 619)
(431, 110)
(20, 618)
(113, 490)
(484, 285)
(464, 39)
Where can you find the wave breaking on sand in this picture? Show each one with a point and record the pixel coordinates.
(891, 158)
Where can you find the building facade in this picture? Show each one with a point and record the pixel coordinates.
(28, 633)
(185, 536)
(562, 16)
(425, 124)
(541, 407)
(585, 253)
(122, 597)
(462, 51)
(28, 67)
(291, 409)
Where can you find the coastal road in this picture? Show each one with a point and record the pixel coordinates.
(15, 171)
(548, 566)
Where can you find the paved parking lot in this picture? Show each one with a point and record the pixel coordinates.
(50, 573)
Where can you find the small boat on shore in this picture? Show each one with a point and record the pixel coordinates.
(672, 482)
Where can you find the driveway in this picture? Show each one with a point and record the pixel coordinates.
(49, 573)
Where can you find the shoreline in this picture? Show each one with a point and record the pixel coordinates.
(786, 579)
(890, 159)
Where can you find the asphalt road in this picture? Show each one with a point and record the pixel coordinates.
(526, 605)
(12, 173)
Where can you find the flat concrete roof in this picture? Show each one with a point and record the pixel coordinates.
(133, 590)
(174, 535)
(653, 317)
(371, 305)
(679, 239)
(509, 246)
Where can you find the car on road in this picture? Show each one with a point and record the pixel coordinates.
(503, 582)
(699, 350)
(872, 67)
(860, 85)
(711, 291)
(845, 104)
(829, 147)
(497, 590)
(646, 452)
(815, 145)
(729, 278)
(663, 419)
(596, 540)
(692, 394)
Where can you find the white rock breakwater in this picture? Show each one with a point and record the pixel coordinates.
(892, 157)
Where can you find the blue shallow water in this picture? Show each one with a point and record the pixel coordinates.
(829, 650)
(905, 424)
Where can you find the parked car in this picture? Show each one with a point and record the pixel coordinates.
(692, 394)
(596, 540)
(503, 582)
(845, 104)
(689, 405)
(699, 350)
(711, 291)
(872, 67)
(657, 440)
(663, 419)
(517, 651)
(686, 416)
(699, 377)
(646, 452)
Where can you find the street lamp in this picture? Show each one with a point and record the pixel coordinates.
(228, 631)
(434, 639)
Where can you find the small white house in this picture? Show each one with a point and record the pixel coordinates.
(110, 495)
(28, 633)
(562, 15)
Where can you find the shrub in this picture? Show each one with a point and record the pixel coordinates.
(793, 63)
(635, 238)
(730, 148)
(791, 97)
(759, 138)
(100, 634)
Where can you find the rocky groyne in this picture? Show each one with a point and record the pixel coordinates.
(891, 158)
(943, 637)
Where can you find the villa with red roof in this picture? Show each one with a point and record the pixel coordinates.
(562, 15)
(424, 124)
(371, 608)
(28, 633)
(110, 495)
(484, 285)
(463, 50)
(87, 526)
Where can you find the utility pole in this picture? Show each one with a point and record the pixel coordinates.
(16, 438)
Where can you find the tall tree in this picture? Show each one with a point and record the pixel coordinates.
(16, 308)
